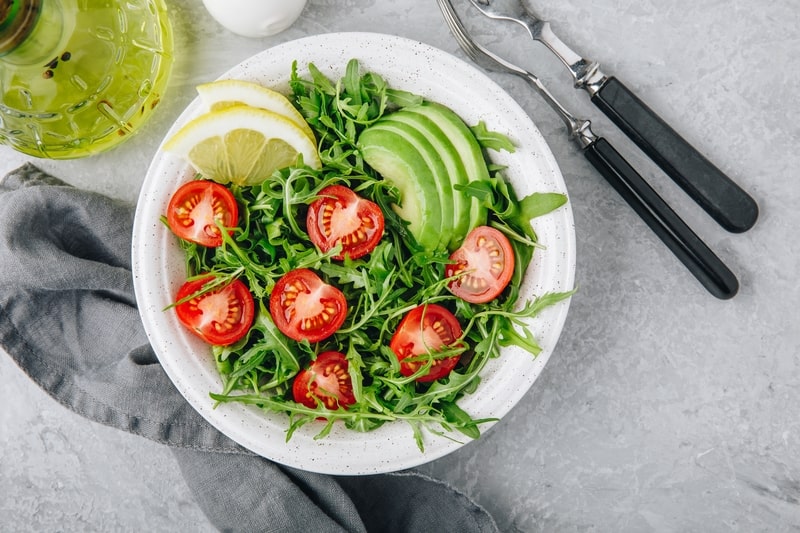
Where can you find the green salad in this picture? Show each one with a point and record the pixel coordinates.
(372, 287)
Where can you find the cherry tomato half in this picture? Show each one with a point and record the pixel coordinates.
(340, 216)
(484, 264)
(306, 308)
(221, 316)
(326, 380)
(195, 209)
(423, 330)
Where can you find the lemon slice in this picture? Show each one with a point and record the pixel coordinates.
(220, 94)
(242, 144)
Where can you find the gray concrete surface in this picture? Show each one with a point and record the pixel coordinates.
(662, 408)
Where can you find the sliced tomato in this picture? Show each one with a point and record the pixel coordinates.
(327, 381)
(221, 316)
(306, 308)
(425, 330)
(340, 216)
(197, 207)
(484, 265)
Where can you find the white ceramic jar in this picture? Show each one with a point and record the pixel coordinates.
(255, 18)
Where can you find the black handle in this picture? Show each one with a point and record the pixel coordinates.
(670, 228)
(715, 192)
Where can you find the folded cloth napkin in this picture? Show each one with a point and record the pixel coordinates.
(68, 318)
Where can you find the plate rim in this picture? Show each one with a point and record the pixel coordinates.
(291, 455)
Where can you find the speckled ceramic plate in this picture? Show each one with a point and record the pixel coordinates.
(159, 268)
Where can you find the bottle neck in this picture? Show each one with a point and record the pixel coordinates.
(17, 19)
(33, 30)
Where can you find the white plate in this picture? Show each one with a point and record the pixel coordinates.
(158, 265)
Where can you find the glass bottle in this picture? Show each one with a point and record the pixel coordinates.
(78, 77)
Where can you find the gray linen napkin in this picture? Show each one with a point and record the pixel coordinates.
(68, 318)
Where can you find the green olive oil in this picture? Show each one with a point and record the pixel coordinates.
(77, 77)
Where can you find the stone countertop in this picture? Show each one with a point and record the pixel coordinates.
(661, 409)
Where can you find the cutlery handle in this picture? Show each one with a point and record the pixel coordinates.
(670, 228)
(715, 192)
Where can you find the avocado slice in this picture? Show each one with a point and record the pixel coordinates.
(431, 146)
(398, 161)
(455, 205)
(437, 176)
(470, 156)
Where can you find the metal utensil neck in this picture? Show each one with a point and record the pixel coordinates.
(585, 73)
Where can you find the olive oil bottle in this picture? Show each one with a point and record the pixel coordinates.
(77, 77)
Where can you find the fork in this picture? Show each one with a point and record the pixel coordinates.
(667, 225)
(716, 193)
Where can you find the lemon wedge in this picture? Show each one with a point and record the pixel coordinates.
(220, 94)
(242, 144)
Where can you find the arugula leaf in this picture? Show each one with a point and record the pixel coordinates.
(492, 139)
(460, 419)
(483, 190)
(540, 203)
(403, 98)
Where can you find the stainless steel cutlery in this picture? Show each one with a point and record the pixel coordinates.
(716, 193)
(670, 228)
